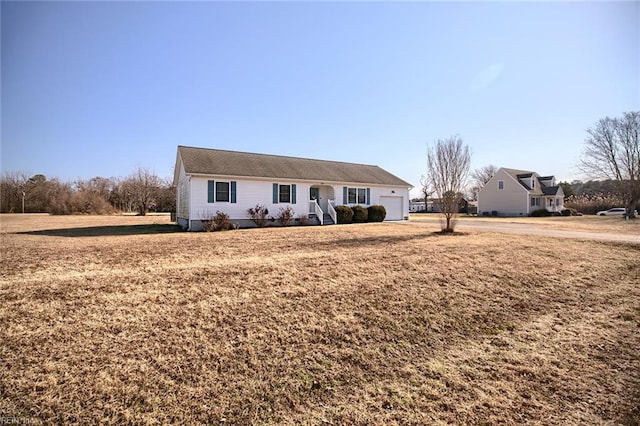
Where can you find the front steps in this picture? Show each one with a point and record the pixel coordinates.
(326, 218)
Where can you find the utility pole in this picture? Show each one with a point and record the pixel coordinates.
(23, 195)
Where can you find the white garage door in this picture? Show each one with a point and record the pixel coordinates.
(393, 206)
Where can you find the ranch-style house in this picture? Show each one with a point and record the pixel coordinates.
(212, 180)
(518, 193)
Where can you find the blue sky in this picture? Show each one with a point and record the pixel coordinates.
(99, 88)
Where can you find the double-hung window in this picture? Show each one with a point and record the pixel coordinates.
(352, 195)
(221, 191)
(500, 184)
(535, 201)
(362, 196)
(356, 195)
(284, 193)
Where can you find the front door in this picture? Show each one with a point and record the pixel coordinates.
(314, 194)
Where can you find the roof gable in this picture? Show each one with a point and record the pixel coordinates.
(540, 183)
(243, 164)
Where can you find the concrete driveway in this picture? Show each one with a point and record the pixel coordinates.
(543, 230)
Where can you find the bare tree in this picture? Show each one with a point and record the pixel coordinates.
(12, 186)
(426, 191)
(480, 177)
(448, 170)
(613, 152)
(144, 185)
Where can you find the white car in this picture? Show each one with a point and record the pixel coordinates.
(615, 211)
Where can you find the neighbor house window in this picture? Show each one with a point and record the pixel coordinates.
(557, 202)
(356, 195)
(500, 184)
(535, 201)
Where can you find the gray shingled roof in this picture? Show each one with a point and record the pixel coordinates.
(550, 190)
(540, 189)
(232, 163)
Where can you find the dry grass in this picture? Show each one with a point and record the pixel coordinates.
(605, 224)
(356, 324)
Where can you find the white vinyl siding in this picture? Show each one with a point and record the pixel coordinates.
(182, 204)
(247, 193)
(251, 192)
(504, 195)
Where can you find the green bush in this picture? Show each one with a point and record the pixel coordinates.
(376, 213)
(360, 214)
(541, 213)
(344, 213)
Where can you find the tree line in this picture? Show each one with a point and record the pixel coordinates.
(141, 192)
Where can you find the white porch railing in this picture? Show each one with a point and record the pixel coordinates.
(314, 207)
(332, 211)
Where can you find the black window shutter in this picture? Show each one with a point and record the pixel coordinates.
(233, 191)
(211, 191)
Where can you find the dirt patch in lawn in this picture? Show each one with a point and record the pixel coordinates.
(358, 324)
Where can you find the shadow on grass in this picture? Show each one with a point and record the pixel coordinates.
(103, 231)
(384, 239)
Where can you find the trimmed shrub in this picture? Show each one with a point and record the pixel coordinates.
(344, 213)
(541, 213)
(376, 213)
(259, 215)
(286, 216)
(360, 214)
(219, 222)
(303, 219)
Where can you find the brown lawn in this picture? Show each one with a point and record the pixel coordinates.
(116, 320)
(587, 223)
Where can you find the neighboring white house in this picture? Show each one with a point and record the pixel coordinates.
(417, 207)
(434, 205)
(518, 193)
(211, 180)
